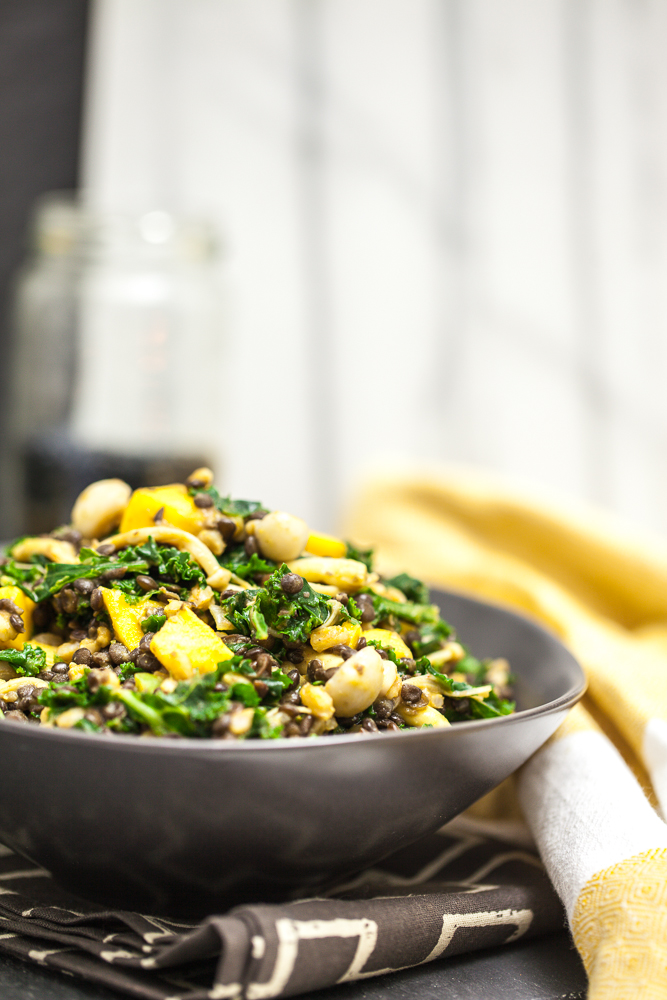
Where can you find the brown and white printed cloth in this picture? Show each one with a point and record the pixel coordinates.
(450, 893)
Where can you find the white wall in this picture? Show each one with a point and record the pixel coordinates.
(446, 224)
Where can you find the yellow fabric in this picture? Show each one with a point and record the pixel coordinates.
(620, 928)
(602, 588)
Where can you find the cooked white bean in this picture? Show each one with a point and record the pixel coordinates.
(47, 639)
(99, 508)
(391, 682)
(357, 682)
(281, 536)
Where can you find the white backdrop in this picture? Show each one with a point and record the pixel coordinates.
(446, 224)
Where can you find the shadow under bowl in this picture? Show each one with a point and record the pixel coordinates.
(191, 827)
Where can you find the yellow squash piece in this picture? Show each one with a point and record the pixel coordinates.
(16, 595)
(319, 544)
(349, 634)
(426, 716)
(127, 618)
(180, 509)
(388, 640)
(186, 645)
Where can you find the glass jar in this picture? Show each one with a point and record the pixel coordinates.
(116, 360)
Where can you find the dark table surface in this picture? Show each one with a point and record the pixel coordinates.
(546, 968)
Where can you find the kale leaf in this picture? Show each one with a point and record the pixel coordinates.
(364, 556)
(52, 577)
(413, 589)
(277, 683)
(21, 574)
(470, 665)
(153, 623)
(233, 508)
(27, 662)
(491, 707)
(193, 707)
(416, 614)
(245, 566)
(430, 637)
(58, 697)
(170, 562)
(46, 579)
(254, 612)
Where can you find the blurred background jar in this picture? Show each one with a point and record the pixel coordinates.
(117, 329)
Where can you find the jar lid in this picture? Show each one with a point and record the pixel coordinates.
(64, 227)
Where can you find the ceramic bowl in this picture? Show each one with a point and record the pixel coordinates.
(191, 827)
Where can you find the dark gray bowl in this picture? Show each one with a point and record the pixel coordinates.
(190, 827)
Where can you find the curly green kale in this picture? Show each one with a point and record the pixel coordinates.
(269, 610)
(232, 508)
(364, 556)
(190, 710)
(246, 566)
(413, 588)
(27, 662)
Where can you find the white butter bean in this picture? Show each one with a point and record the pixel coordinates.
(281, 536)
(100, 507)
(357, 682)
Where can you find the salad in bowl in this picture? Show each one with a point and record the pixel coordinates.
(176, 611)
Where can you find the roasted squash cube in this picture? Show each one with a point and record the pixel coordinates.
(388, 640)
(22, 600)
(179, 509)
(319, 544)
(186, 645)
(347, 634)
(126, 618)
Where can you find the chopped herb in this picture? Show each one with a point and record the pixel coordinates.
(364, 556)
(245, 566)
(431, 636)
(232, 508)
(153, 623)
(413, 589)
(491, 707)
(416, 614)
(294, 616)
(170, 562)
(54, 576)
(27, 662)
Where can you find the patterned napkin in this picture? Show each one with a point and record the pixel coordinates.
(452, 892)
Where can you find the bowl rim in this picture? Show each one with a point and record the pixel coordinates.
(197, 746)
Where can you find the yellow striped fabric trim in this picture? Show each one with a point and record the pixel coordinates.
(620, 928)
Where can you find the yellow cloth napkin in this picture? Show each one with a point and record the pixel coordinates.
(602, 587)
